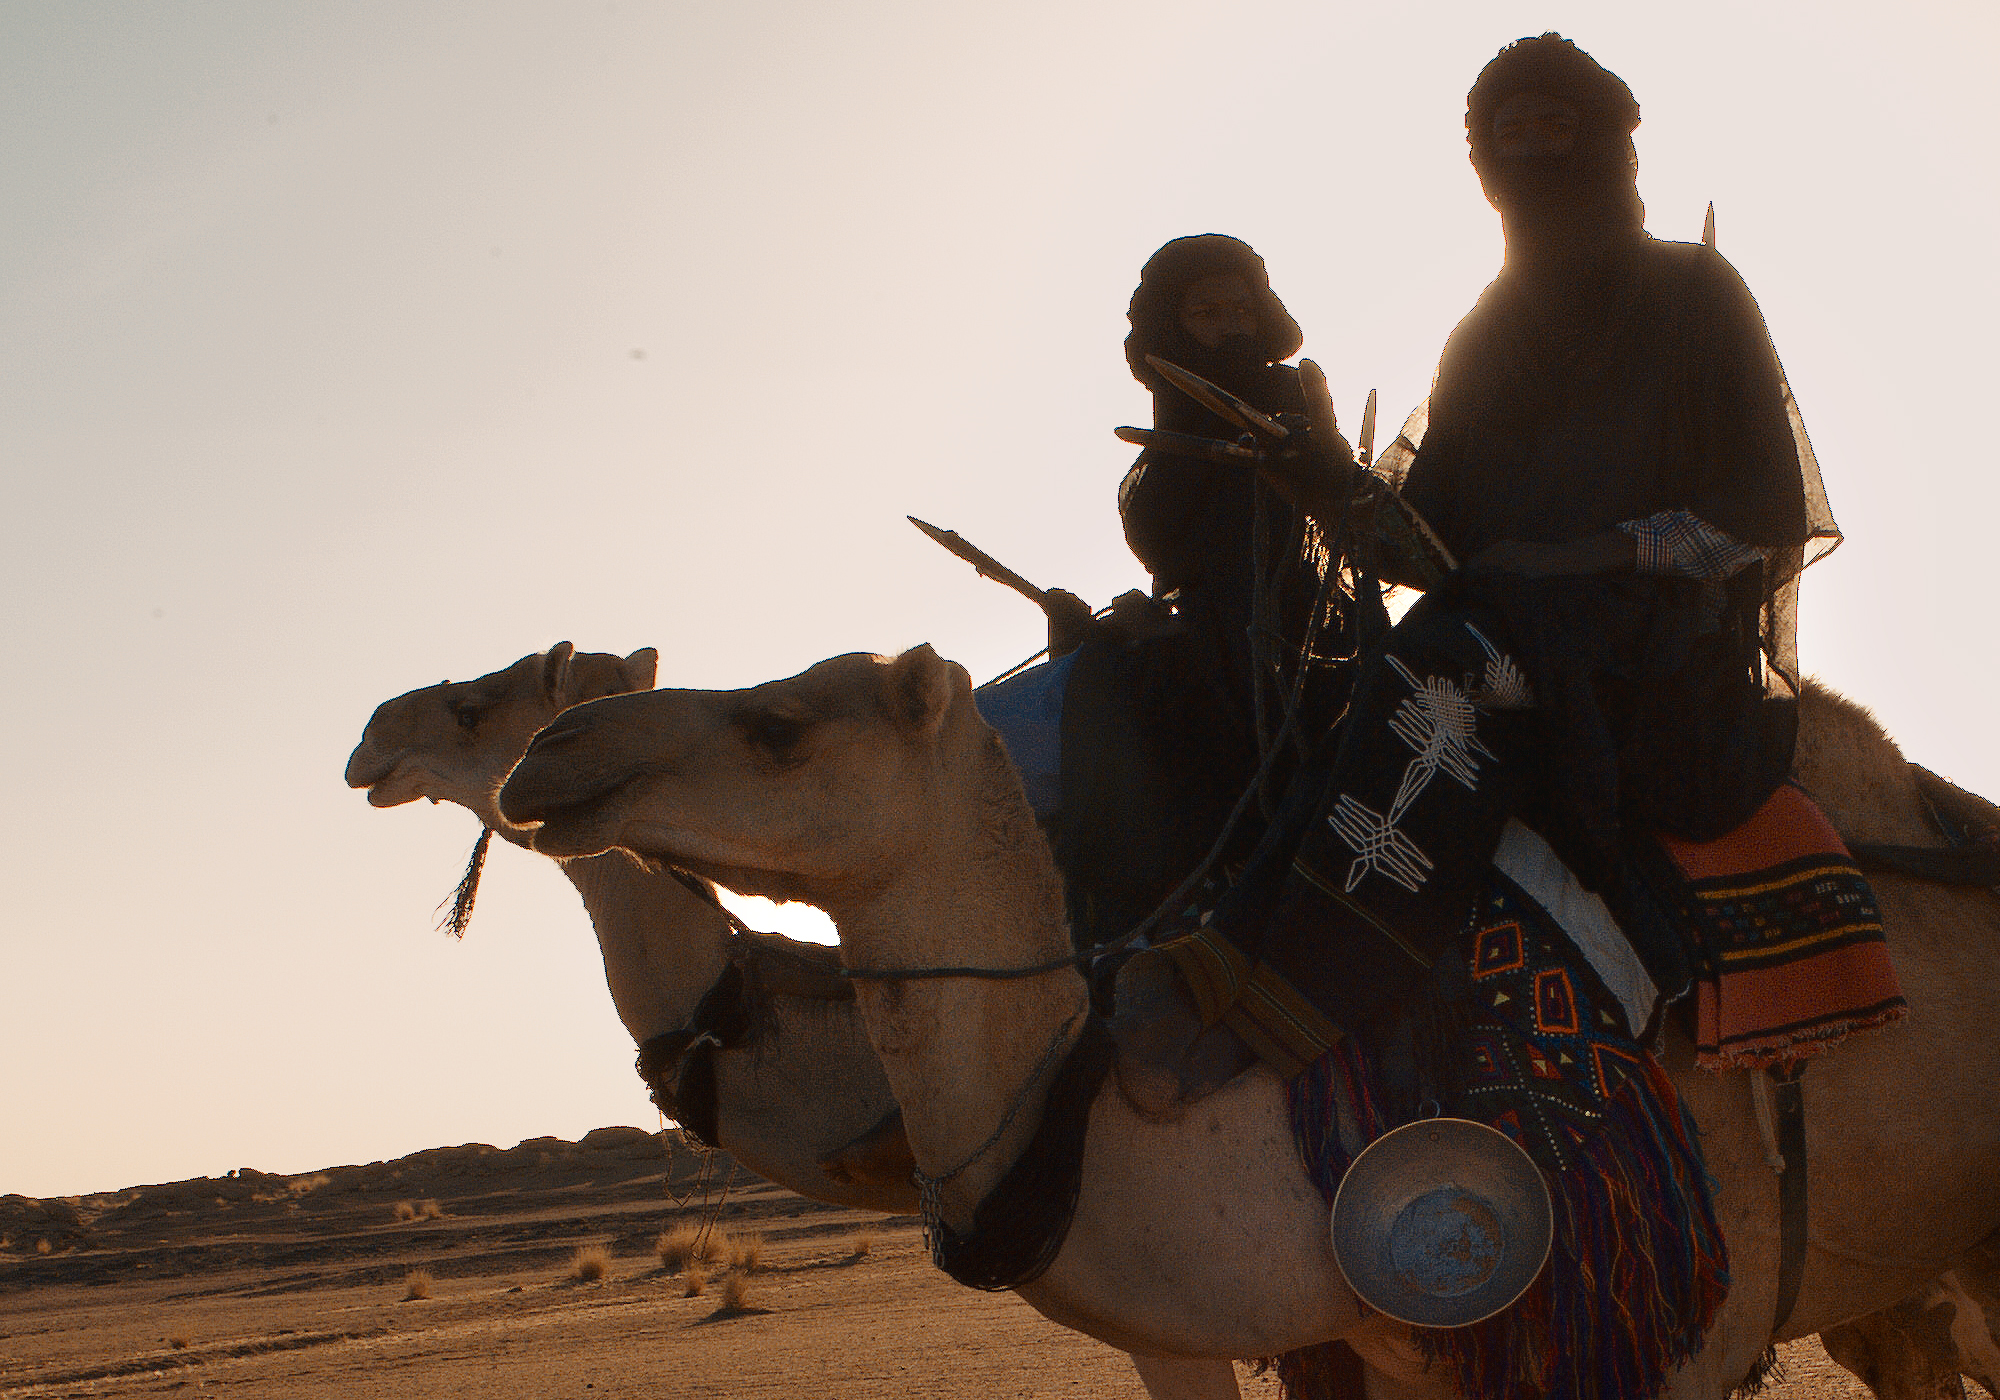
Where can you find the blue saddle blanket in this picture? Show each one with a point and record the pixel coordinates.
(1027, 710)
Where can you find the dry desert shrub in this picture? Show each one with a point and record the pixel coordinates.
(746, 1253)
(678, 1247)
(43, 1247)
(178, 1343)
(862, 1243)
(429, 1210)
(417, 1284)
(301, 1185)
(735, 1291)
(697, 1282)
(588, 1264)
(406, 1211)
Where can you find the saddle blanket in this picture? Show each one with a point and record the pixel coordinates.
(1026, 709)
(1793, 955)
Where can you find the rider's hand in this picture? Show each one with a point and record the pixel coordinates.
(1070, 621)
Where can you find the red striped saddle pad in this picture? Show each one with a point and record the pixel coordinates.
(1793, 954)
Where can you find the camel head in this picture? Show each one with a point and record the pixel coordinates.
(456, 741)
(821, 787)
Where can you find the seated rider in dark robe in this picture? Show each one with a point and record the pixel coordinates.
(1176, 721)
(1614, 459)
(1207, 530)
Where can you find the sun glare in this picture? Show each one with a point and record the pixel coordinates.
(793, 920)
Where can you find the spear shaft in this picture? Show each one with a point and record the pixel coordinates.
(986, 564)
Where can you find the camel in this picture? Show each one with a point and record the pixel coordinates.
(870, 788)
(788, 1103)
(663, 945)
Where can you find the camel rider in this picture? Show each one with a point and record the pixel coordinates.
(1175, 718)
(1614, 457)
(1234, 559)
(1205, 303)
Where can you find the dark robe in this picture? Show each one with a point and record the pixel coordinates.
(1654, 387)
(1170, 723)
(1658, 391)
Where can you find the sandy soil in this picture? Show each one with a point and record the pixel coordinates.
(279, 1287)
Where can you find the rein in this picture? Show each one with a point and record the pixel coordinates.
(930, 1189)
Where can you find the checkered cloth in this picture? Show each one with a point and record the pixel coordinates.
(1686, 546)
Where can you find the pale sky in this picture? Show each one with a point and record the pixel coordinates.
(347, 348)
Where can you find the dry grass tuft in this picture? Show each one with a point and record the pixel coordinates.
(746, 1253)
(179, 1343)
(301, 1185)
(43, 1247)
(678, 1247)
(417, 1284)
(588, 1264)
(735, 1292)
(406, 1211)
(697, 1281)
(861, 1244)
(429, 1210)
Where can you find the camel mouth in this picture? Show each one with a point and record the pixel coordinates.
(584, 827)
(388, 783)
(561, 828)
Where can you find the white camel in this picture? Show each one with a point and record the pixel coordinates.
(789, 1103)
(871, 788)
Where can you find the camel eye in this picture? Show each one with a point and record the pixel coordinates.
(467, 714)
(776, 733)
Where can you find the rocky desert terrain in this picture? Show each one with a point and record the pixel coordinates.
(300, 1287)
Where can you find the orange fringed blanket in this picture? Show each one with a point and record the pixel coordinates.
(1794, 959)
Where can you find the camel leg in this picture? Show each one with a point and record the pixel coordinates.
(1186, 1378)
(1976, 1327)
(1906, 1352)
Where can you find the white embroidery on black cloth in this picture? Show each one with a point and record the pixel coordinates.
(1502, 687)
(1438, 720)
(1378, 845)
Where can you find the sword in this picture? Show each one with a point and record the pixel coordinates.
(986, 564)
(1365, 452)
(1218, 400)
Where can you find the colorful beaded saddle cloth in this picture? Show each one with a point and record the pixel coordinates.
(1520, 1031)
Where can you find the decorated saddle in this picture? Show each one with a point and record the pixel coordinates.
(1534, 1021)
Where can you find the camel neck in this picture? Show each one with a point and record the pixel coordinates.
(962, 1054)
(663, 945)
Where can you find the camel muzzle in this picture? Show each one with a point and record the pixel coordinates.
(555, 778)
(365, 767)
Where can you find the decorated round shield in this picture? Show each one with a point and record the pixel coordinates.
(1442, 1223)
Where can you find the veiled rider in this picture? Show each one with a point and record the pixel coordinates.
(1179, 718)
(1614, 457)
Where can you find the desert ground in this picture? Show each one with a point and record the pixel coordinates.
(298, 1287)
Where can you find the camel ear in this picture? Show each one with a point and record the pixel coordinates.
(641, 668)
(556, 670)
(919, 691)
(596, 674)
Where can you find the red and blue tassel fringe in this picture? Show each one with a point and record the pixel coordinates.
(1632, 1284)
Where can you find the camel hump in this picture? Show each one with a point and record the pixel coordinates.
(1966, 818)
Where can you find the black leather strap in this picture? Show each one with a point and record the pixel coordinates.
(1788, 1106)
